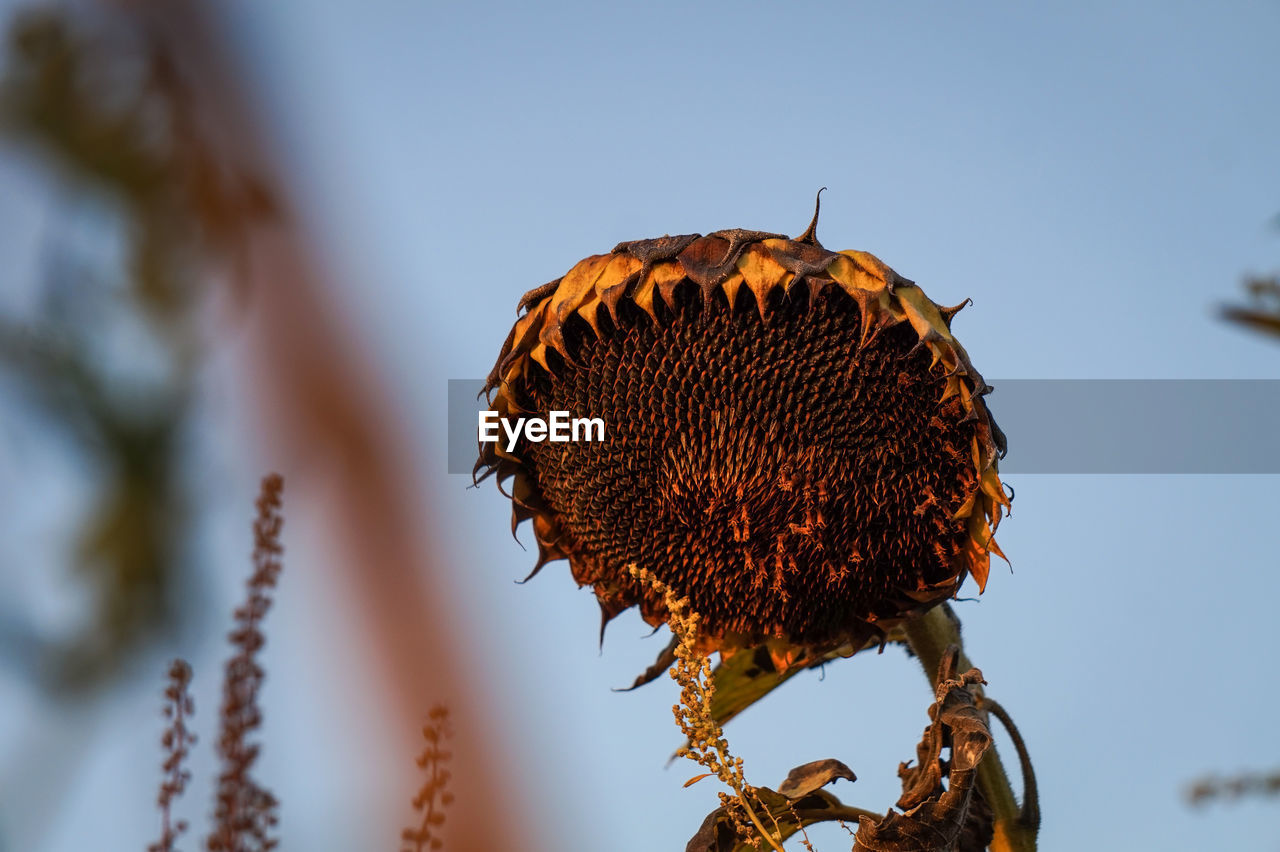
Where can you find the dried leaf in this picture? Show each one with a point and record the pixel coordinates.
(745, 677)
(934, 819)
(803, 780)
(666, 658)
(749, 675)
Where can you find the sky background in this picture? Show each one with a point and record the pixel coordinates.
(1098, 178)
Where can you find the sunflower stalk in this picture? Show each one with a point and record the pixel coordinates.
(1015, 826)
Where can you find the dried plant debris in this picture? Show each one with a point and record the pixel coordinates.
(938, 818)
(1263, 312)
(1208, 789)
(795, 441)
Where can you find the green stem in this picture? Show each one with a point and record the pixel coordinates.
(929, 636)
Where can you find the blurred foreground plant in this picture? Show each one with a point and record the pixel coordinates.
(108, 109)
(145, 115)
(244, 811)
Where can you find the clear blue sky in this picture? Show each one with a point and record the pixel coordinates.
(1097, 178)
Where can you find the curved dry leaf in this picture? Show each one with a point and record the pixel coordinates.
(937, 820)
(666, 659)
(805, 779)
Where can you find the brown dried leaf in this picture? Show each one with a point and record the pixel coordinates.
(666, 658)
(805, 779)
(937, 820)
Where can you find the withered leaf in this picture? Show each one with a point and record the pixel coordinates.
(750, 674)
(805, 779)
(934, 819)
(666, 658)
(744, 679)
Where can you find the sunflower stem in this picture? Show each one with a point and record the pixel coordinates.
(929, 636)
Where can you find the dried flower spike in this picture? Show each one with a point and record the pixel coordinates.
(434, 795)
(704, 738)
(179, 707)
(244, 811)
(794, 440)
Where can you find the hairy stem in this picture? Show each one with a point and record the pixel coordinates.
(1030, 791)
(929, 636)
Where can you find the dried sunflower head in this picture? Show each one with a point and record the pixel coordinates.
(794, 440)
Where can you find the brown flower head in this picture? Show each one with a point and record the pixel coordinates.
(794, 440)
